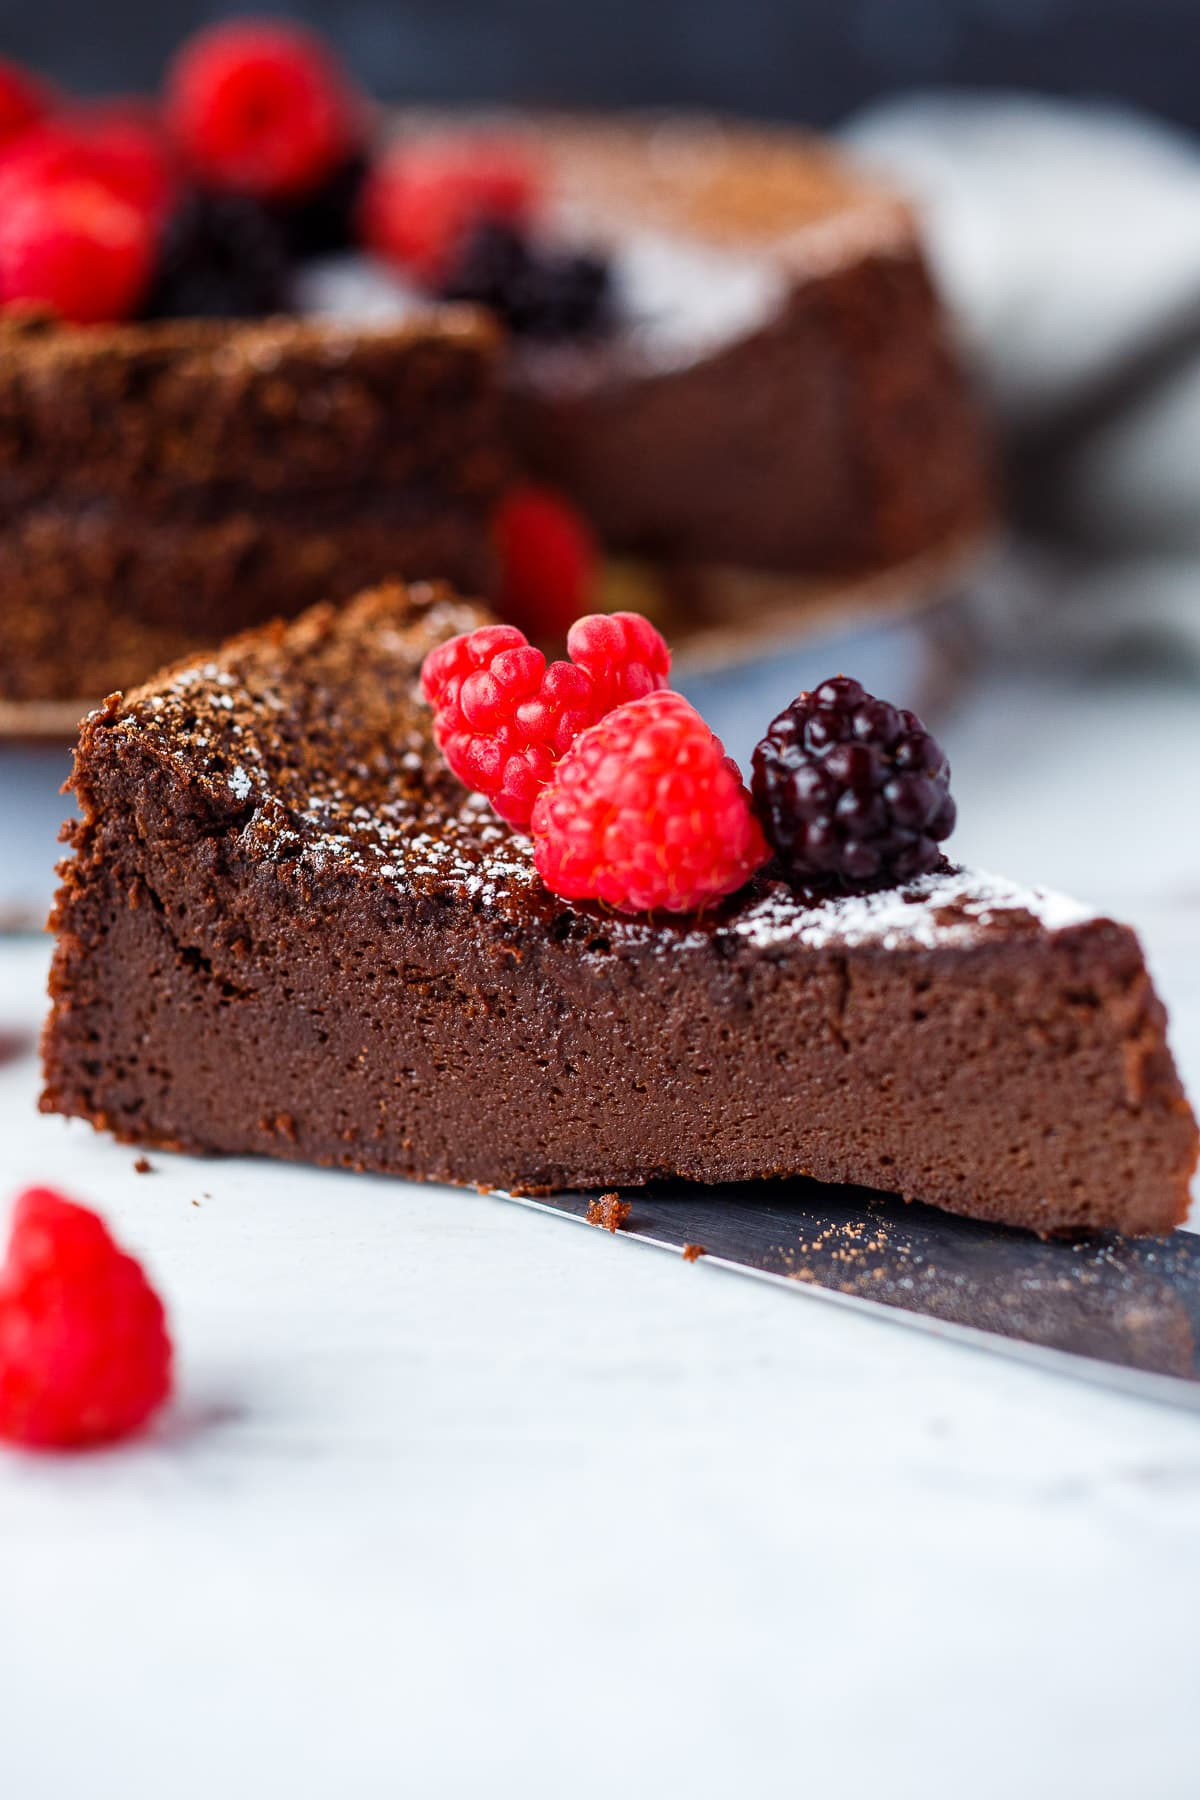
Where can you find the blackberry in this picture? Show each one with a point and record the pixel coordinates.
(222, 257)
(549, 294)
(324, 221)
(851, 790)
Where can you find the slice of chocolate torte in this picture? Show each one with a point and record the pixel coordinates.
(285, 927)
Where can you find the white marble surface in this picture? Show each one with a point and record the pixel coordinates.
(461, 1500)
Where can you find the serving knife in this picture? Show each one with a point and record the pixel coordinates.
(1120, 1312)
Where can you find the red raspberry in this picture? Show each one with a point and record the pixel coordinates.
(84, 1352)
(260, 107)
(118, 145)
(23, 100)
(548, 560)
(129, 151)
(503, 719)
(647, 811)
(76, 247)
(623, 653)
(421, 200)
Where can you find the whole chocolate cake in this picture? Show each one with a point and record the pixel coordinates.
(722, 354)
(781, 390)
(769, 408)
(285, 927)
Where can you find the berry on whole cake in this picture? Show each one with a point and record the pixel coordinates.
(715, 355)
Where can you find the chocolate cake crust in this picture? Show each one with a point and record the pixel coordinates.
(284, 927)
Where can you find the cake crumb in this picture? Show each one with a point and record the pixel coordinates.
(692, 1252)
(280, 1125)
(610, 1211)
(143, 1166)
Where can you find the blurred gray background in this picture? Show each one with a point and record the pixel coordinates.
(797, 59)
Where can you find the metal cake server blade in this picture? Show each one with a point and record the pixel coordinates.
(1121, 1312)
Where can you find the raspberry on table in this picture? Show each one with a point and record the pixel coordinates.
(84, 1353)
(75, 246)
(852, 790)
(538, 291)
(548, 560)
(646, 811)
(503, 718)
(421, 201)
(260, 107)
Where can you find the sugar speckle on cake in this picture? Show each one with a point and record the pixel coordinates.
(385, 808)
(948, 906)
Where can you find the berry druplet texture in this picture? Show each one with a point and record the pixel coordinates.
(538, 292)
(504, 718)
(625, 655)
(548, 561)
(260, 107)
(851, 790)
(84, 1353)
(646, 811)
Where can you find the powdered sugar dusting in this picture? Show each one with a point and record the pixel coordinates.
(680, 298)
(321, 769)
(677, 298)
(949, 907)
(357, 289)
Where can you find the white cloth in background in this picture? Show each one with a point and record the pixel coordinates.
(1067, 241)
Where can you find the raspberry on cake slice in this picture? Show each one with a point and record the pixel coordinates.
(286, 926)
